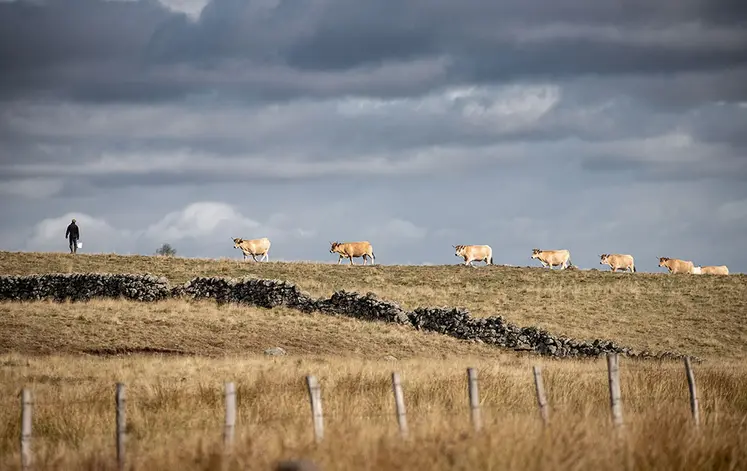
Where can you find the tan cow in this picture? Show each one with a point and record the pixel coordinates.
(253, 247)
(551, 258)
(618, 261)
(715, 270)
(478, 253)
(675, 265)
(353, 249)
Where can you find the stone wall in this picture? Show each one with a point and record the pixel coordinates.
(250, 291)
(83, 286)
(454, 322)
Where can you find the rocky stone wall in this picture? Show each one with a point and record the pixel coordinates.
(455, 322)
(83, 286)
(250, 291)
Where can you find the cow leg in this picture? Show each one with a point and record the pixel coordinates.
(365, 257)
(351, 259)
(339, 260)
(254, 257)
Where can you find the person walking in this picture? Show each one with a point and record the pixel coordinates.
(73, 234)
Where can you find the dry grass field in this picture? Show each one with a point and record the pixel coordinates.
(175, 414)
(699, 315)
(72, 354)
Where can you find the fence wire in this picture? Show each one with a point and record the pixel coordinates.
(246, 421)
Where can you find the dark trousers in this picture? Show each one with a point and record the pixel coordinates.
(73, 245)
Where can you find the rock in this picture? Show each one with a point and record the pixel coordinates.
(267, 293)
(83, 287)
(297, 465)
(368, 307)
(275, 351)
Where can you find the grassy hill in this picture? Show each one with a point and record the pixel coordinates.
(173, 327)
(71, 354)
(701, 315)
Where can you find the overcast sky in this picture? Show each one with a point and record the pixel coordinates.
(415, 124)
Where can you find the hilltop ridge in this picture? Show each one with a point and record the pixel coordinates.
(704, 315)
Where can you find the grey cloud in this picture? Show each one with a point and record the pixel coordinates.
(36, 37)
(513, 218)
(263, 50)
(585, 125)
(362, 140)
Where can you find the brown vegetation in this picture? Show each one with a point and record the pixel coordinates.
(72, 354)
(704, 316)
(206, 329)
(175, 413)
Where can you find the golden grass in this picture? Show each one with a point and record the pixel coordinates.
(175, 413)
(698, 315)
(204, 328)
(72, 354)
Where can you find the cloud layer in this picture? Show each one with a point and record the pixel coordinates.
(416, 125)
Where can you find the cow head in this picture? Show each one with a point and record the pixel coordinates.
(237, 242)
(603, 258)
(663, 261)
(333, 247)
(459, 250)
(535, 253)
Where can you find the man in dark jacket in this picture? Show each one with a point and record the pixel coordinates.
(73, 234)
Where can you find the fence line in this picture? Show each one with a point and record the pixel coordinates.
(119, 400)
(399, 404)
(315, 400)
(26, 411)
(474, 399)
(539, 386)
(693, 392)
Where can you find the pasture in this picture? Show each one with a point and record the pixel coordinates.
(699, 315)
(72, 354)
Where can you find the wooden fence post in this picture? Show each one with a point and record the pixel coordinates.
(539, 386)
(26, 410)
(120, 398)
(399, 404)
(613, 375)
(230, 418)
(474, 399)
(315, 397)
(693, 392)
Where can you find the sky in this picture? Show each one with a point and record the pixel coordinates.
(596, 126)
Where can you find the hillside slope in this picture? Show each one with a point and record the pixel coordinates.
(176, 327)
(703, 315)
